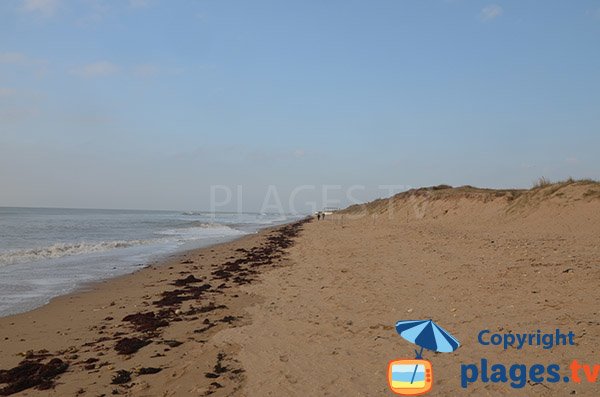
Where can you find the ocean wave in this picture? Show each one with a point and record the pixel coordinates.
(211, 225)
(175, 236)
(249, 216)
(213, 214)
(60, 250)
(201, 229)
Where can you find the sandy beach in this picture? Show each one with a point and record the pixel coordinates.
(308, 309)
(309, 198)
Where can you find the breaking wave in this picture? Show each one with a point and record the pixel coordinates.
(201, 230)
(60, 250)
(174, 236)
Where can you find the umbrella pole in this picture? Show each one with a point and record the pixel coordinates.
(419, 355)
(416, 366)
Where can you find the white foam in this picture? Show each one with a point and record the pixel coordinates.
(201, 230)
(60, 250)
(49, 252)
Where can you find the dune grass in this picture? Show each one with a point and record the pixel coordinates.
(543, 182)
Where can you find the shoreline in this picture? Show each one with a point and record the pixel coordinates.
(154, 260)
(53, 252)
(199, 288)
(159, 261)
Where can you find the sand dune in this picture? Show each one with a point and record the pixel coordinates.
(470, 259)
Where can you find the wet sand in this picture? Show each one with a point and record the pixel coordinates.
(148, 333)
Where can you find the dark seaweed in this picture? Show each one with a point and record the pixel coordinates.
(121, 377)
(131, 345)
(145, 322)
(30, 374)
(149, 371)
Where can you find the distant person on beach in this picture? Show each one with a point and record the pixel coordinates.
(318, 216)
(323, 216)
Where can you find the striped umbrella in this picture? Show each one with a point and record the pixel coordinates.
(428, 335)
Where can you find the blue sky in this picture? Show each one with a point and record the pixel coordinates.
(147, 103)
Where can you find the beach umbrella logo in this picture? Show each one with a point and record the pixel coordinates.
(413, 377)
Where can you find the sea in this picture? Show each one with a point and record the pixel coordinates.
(47, 252)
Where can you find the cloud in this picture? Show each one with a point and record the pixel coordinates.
(572, 160)
(94, 12)
(20, 60)
(491, 12)
(6, 92)
(298, 153)
(146, 70)
(12, 58)
(96, 69)
(43, 7)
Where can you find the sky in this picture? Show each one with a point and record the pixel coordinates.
(156, 104)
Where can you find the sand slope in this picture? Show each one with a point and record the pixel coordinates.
(469, 259)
